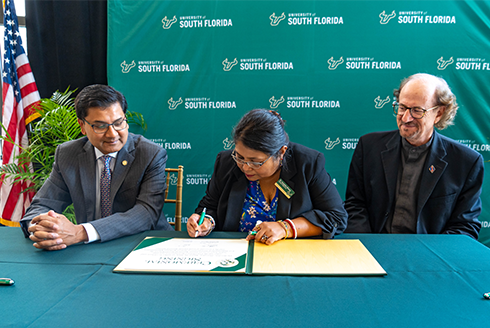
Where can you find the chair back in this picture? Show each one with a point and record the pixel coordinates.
(178, 195)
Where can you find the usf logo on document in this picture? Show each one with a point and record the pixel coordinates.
(172, 104)
(381, 102)
(443, 64)
(333, 64)
(275, 20)
(167, 23)
(276, 102)
(127, 67)
(386, 18)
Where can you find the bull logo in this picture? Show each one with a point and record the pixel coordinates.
(228, 143)
(330, 144)
(333, 64)
(276, 102)
(227, 65)
(381, 102)
(173, 179)
(442, 64)
(276, 20)
(386, 18)
(174, 104)
(127, 67)
(167, 23)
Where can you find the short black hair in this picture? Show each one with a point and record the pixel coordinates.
(262, 130)
(98, 95)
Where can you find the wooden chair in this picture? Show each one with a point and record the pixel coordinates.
(178, 195)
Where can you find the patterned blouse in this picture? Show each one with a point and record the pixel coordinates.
(255, 207)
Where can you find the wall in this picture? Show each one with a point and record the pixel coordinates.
(193, 68)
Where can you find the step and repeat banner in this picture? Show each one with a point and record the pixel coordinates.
(193, 68)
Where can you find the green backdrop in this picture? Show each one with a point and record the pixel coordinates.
(193, 68)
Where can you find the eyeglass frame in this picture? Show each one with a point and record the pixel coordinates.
(107, 125)
(253, 165)
(395, 104)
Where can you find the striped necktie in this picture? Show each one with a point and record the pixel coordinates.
(105, 188)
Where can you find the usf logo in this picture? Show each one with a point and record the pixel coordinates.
(333, 64)
(228, 65)
(167, 23)
(172, 104)
(275, 20)
(276, 102)
(228, 144)
(386, 18)
(381, 102)
(330, 144)
(442, 64)
(127, 67)
(173, 179)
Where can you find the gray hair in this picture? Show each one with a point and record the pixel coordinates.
(443, 97)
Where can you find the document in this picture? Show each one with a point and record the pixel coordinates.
(341, 257)
(187, 255)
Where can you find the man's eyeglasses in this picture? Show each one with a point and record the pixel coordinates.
(415, 112)
(100, 128)
(254, 165)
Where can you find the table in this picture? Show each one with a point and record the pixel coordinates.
(432, 281)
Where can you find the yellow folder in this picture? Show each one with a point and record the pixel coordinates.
(315, 257)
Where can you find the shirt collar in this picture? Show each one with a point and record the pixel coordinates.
(99, 154)
(407, 146)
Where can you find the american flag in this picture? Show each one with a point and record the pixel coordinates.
(20, 96)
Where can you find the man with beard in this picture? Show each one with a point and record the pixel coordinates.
(415, 180)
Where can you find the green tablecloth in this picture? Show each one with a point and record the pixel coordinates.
(432, 281)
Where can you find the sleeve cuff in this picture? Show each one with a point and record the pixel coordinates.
(92, 234)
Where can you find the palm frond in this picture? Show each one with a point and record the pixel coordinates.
(136, 118)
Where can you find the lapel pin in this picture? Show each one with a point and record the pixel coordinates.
(124, 163)
(432, 169)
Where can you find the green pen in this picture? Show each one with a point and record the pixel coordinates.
(203, 214)
(253, 232)
(6, 281)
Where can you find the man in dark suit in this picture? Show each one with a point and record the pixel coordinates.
(115, 179)
(414, 180)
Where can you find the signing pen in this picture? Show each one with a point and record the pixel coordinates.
(487, 296)
(6, 281)
(203, 214)
(254, 232)
(201, 220)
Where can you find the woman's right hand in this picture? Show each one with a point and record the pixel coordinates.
(194, 229)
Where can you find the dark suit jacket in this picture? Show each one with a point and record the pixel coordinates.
(137, 187)
(315, 198)
(448, 200)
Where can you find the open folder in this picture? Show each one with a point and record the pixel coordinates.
(238, 256)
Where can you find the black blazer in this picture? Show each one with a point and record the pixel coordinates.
(448, 200)
(316, 197)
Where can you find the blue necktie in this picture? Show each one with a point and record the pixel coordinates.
(105, 188)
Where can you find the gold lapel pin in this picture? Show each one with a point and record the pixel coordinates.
(125, 162)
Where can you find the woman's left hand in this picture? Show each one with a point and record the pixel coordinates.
(268, 232)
